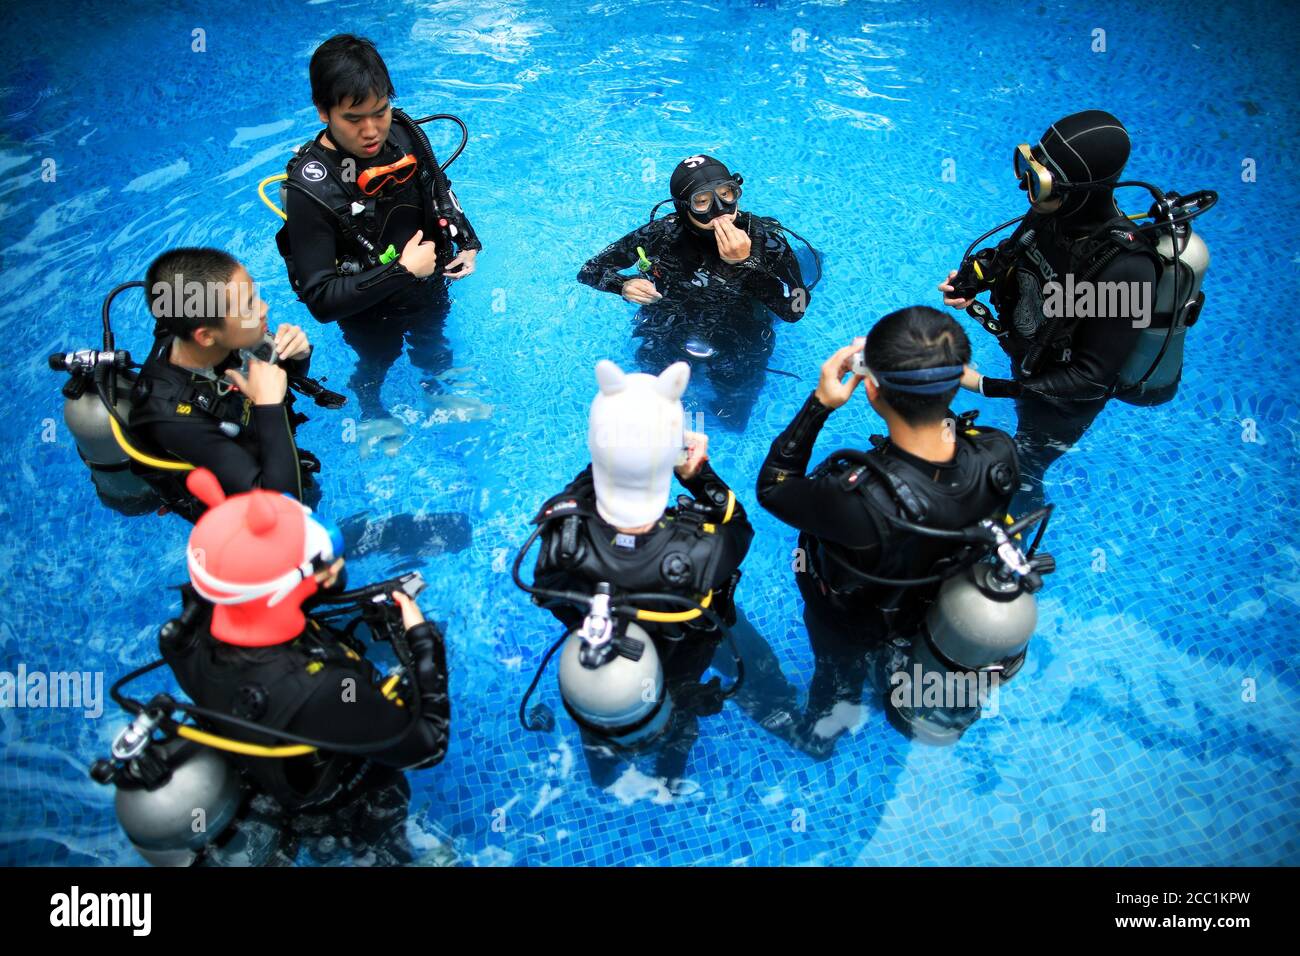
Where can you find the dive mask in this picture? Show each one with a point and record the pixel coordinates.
(1044, 188)
(371, 181)
(715, 199)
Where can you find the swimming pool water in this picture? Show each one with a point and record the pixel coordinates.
(1179, 567)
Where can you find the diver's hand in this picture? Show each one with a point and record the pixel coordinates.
(411, 613)
(265, 384)
(419, 258)
(697, 453)
(640, 291)
(462, 265)
(970, 379)
(291, 342)
(832, 390)
(945, 287)
(328, 577)
(733, 244)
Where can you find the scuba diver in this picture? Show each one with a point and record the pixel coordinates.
(887, 536)
(709, 278)
(1123, 338)
(214, 392)
(645, 592)
(283, 685)
(373, 233)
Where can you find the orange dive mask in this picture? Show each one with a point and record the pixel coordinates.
(372, 180)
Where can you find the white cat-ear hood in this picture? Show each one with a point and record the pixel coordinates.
(636, 435)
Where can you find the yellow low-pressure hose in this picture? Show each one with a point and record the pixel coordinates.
(141, 457)
(675, 617)
(261, 194)
(239, 747)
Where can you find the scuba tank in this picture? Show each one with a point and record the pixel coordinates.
(975, 636)
(97, 411)
(611, 677)
(86, 416)
(173, 797)
(613, 684)
(1154, 370)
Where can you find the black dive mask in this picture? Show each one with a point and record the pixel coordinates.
(715, 199)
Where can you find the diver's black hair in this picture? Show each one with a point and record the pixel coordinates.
(912, 338)
(172, 276)
(347, 68)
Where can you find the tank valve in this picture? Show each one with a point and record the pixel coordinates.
(597, 630)
(136, 736)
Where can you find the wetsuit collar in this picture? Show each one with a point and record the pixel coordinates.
(924, 464)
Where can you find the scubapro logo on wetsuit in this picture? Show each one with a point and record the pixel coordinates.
(313, 172)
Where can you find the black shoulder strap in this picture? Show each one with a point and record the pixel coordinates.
(913, 507)
(329, 182)
(566, 503)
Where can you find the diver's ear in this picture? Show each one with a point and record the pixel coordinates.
(205, 336)
(872, 386)
(324, 115)
(672, 381)
(610, 377)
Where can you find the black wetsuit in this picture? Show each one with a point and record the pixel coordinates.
(841, 505)
(707, 301)
(1076, 377)
(183, 414)
(380, 306)
(634, 563)
(317, 686)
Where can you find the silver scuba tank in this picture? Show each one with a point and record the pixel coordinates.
(87, 419)
(981, 621)
(168, 826)
(611, 692)
(974, 639)
(173, 796)
(88, 422)
(1191, 262)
